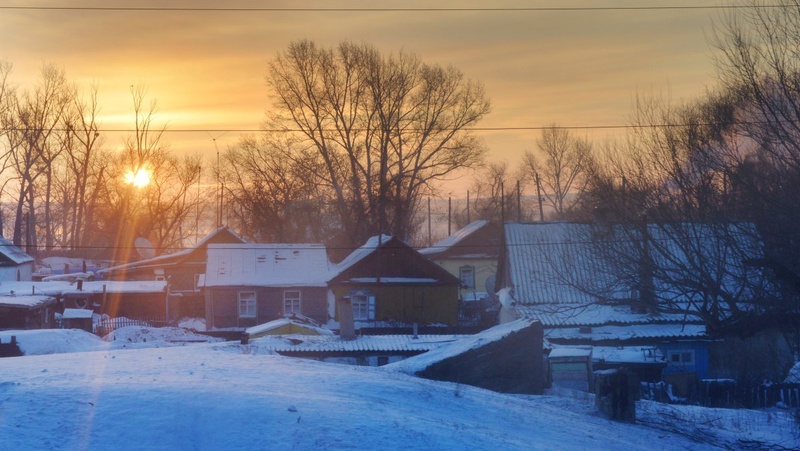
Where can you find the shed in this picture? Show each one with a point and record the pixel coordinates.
(74, 318)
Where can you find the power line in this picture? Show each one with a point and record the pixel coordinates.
(388, 9)
(476, 129)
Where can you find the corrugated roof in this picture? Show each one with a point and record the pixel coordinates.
(565, 315)
(627, 332)
(364, 343)
(13, 253)
(266, 265)
(568, 263)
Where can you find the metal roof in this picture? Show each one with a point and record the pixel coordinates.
(364, 343)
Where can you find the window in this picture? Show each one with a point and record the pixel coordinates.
(197, 282)
(363, 306)
(291, 302)
(247, 304)
(681, 357)
(467, 275)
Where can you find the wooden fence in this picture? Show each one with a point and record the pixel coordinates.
(106, 326)
(728, 393)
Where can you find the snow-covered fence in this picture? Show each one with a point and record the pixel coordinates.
(728, 393)
(108, 325)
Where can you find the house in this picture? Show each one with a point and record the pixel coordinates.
(557, 273)
(182, 271)
(26, 311)
(146, 299)
(391, 284)
(129, 299)
(249, 284)
(471, 254)
(14, 263)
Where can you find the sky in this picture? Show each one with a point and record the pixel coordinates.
(145, 388)
(206, 69)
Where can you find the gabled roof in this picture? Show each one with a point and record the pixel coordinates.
(389, 260)
(11, 254)
(567, 263)
(221, 235)
(268, 265)
(479, 239)
(362, 252)
(455, 238)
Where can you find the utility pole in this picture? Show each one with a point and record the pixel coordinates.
(519, 203)
(539, 196)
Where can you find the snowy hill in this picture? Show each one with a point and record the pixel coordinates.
(229, 396)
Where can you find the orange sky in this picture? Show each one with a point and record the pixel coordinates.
(206, 69)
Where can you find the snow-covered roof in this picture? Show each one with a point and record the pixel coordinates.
(565, 315)
(58, 288)
(419, 363)
(452, 240)
(77, 313)
(627, 332)
(25, 301)
(174, 256)
(118, 287)
(364, 343)
(268, 265)
(13, 253)
(568, 263)
(414, 280)
(287, 323)
(362, 252)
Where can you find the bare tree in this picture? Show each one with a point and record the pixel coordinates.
(275, 198)
(560, 169)
(147, 190)
(381, 127)
(493, 194)
(33, 123)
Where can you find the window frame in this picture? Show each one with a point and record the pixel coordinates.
(471, 270)
(248, 304)
(298, 300)
(366, 306)
(681, 357)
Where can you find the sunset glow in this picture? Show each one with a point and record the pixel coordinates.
(139, 179)
(206, 69)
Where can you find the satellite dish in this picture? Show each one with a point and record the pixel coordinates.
(144, 247)
(490, 284)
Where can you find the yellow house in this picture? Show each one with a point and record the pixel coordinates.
(470, 254)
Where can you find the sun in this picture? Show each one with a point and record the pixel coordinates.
(139, 178)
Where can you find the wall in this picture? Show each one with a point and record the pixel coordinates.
(484, 269)
(222, 308)
(410, 304)
(9, 273)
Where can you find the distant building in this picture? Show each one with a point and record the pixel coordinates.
(181, 271)
(15, 265)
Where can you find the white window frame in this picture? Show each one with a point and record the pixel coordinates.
(471, 271)
(292, 304)
(363, 305)
(685, 357)
(247, 304)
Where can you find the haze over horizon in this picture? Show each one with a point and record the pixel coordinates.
(541, 62)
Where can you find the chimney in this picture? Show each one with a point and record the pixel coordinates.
(80, 284)
(346, 324)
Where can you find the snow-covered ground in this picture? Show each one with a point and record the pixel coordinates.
(169, 392)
